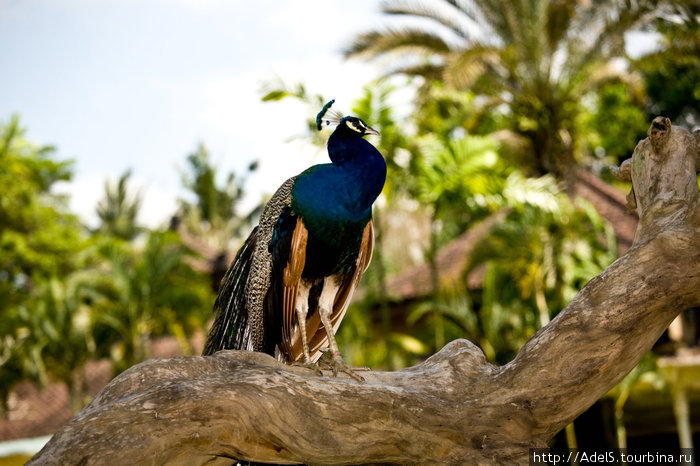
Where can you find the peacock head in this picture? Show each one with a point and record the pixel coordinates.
(347, 126)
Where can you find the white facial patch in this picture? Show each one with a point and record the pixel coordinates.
(356, 126)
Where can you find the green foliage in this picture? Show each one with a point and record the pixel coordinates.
(64, 318)
(531, 265)
(39, 240)
(455, 174)
(276, 91)
(364, 343)
(38, 236)
(446, 111)
(450, 176)
(536, 261)
(616, 122)
(542, 73)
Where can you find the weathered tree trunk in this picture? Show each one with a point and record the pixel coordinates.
(453, 408)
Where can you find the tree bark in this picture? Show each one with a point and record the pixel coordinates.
(455, 407)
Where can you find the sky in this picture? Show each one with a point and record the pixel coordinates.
(126, 84)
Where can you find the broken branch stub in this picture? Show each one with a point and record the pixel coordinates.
(663, 172)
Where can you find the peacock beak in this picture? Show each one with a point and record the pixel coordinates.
(370, 130)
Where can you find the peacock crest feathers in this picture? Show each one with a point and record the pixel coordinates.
(327, 117)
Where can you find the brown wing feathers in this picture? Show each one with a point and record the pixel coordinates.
(316, 335)
(290, 280)
(342, 299)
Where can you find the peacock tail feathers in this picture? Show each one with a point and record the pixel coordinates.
(239, 322)
(259, 281)
(230, 329)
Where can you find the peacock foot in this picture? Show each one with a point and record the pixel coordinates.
(336, 364)
(309, 365)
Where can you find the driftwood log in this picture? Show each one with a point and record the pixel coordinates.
(453, 408)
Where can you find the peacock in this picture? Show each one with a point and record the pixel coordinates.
(290, 284)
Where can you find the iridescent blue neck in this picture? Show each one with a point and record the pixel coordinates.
(343, 190)
(362, 162)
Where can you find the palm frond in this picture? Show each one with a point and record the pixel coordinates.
(398, 40)
(465, 67)
(471, 9)
(445, 14)
(429, 71)
(599, 30)
(493, 12)
(559, 16)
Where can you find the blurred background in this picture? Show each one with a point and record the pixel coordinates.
(139, 140)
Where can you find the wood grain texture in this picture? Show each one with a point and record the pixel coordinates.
(455, 408)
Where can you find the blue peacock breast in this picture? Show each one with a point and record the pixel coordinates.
(335, 206)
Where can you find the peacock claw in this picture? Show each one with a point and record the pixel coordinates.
(310, 365)
(342, 367)
(336, 364)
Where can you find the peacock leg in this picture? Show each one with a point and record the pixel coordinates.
(325, 305)
(302, 309)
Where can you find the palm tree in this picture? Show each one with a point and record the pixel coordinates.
(534, 60)
(215, 214)
(118, 209)
(151, 291)
(65, 322)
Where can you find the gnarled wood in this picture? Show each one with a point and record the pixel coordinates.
(453, 408)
